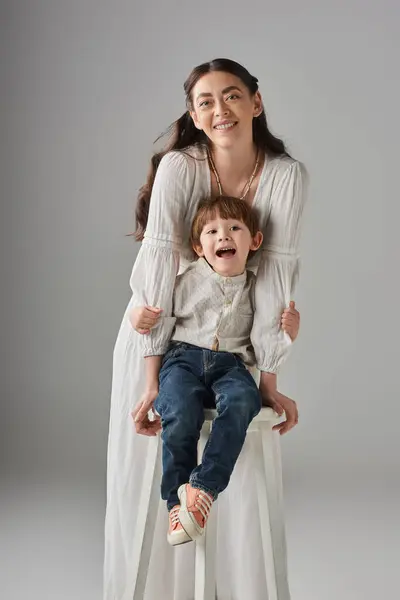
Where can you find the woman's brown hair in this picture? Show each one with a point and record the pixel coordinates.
(183, 133)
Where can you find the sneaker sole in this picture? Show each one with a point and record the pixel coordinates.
(189, 523)
(177, 539)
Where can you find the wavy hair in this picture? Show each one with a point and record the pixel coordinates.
(182, 133)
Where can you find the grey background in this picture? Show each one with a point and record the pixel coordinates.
(86, 87)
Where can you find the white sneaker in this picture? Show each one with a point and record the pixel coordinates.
(194, 510)
(176, 534)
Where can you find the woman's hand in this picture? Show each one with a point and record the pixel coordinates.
(143, 424)
(291, 321)
(143, 318)
(279, 403)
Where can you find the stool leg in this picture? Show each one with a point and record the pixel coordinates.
(205, 580)
(269, 485)
(278, 520)
(147, 516)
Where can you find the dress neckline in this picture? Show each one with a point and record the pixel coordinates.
(259, 185)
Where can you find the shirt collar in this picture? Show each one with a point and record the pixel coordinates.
(203, 266)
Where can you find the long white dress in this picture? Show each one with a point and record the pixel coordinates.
(181, 182)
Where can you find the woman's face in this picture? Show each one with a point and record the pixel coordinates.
(224, 108)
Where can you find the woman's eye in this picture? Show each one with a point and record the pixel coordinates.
(204, 104)
(232, 97)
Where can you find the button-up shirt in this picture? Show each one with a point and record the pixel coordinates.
(213, 311)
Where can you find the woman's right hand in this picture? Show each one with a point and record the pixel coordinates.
(140, 414)
(143, 318)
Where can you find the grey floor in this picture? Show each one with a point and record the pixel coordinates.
(343, 539)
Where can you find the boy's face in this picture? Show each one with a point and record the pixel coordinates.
(225, 244)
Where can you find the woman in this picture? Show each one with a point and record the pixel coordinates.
(221, 145)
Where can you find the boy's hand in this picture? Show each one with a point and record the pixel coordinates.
(143, 318)
(290, 321)
(143, 424)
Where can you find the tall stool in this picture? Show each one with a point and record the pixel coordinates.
(269, 491)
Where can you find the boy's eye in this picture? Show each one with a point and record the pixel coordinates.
(235, 228)
(212, 231)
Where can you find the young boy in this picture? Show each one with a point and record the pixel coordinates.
(206, 365)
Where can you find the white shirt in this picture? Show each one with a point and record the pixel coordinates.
(182, 180)
(213, 311)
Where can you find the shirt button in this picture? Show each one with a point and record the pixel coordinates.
(228, 280)
(228, 302)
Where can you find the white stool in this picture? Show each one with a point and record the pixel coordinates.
(269, 491)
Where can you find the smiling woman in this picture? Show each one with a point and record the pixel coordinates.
(225, 114)
(220, 146)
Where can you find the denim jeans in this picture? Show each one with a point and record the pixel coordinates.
(191, 379)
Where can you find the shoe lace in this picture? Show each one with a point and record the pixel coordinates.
(174, 516)
(203, 503)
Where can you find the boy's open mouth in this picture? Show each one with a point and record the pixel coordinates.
(225, 252)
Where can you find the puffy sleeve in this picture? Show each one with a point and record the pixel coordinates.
(278, 269)
(156, 266)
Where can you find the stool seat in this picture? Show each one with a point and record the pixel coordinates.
(267, 465)
(266, 414)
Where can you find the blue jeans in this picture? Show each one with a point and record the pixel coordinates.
(191, 379)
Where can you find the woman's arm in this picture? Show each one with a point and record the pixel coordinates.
(276, 279)
(143, 424)
(157, 263)
(278, 268)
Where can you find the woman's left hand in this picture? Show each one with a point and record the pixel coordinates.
(282, 404)
(290, 321)
(278, 402)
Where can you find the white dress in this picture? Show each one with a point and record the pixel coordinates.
(181, 182)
